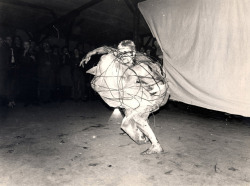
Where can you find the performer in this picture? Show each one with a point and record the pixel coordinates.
(130, 80)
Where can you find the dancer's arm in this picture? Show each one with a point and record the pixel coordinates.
(100, 50)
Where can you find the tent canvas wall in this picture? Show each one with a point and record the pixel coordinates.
(206, 48)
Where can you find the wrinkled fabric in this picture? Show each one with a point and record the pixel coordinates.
(141, 86)
(206, 50)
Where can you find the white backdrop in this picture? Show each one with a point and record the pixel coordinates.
(206, 48)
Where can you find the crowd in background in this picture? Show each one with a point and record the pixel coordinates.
(153, 52)
(36, 74)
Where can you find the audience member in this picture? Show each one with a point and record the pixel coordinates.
(148, 51)
(66, 75)
(11, 60)
(78, 77)
(28, 74)
(46, 78)
(56, 58)
(158, 52)
(80, 48)
(3, 72)
(18, 48)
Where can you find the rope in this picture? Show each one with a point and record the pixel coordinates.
(114, 86)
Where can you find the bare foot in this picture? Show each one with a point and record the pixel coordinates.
(154, 149)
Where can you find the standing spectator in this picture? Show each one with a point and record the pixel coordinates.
(12, 72)
(90, 93)
(28, 74)
(66, 75)
(142, 50)
(56, 58)
(18, 49)
(3, 72)
(80, 47)
(46, 78)
(78, 77)
(34, 48)
(158, 52)
(149, 51)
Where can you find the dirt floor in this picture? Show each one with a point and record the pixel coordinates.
(79, 144)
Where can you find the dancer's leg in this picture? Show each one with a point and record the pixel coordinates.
(130, 127)
(142, 123)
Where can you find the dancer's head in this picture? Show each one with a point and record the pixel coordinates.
(126, 51)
